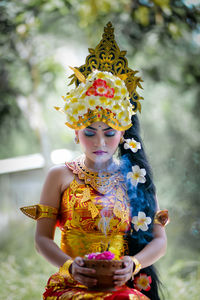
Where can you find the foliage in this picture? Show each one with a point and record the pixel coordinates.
(162, 39)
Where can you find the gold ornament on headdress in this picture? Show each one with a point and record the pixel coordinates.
(108, 57)
(105, 88)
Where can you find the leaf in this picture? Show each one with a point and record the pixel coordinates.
(78, 74)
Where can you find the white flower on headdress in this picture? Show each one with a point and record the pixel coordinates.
(132, 144)
(101, 89)
(141, 221)
(78, 109)
(137, 175)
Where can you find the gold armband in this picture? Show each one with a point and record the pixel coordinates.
(161, 217)
(137, 265)
(64, 269)
(39, 211)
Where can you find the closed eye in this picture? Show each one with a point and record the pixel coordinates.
(89, 133)
(110, 133)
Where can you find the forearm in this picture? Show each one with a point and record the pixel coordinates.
(152, 251)
(49, 249)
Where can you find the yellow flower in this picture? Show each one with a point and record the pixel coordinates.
(117, 98)
(81, 107)
(101, 75)
(91, 102)
(116, 106)
(118, 82)
(74, 100)
(123, 91)
(67, 106)
(72, 119)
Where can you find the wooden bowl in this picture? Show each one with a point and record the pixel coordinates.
(104, 272)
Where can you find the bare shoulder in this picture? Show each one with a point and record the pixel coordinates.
(57, 180)
(61, 176)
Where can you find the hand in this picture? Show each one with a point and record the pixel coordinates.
(123, 275)
(81, 274)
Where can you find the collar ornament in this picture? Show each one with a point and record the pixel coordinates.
(101, 181)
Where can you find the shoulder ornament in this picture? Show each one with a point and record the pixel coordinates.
(161, 217)
(39, 211)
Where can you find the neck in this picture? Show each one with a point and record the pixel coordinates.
(98, 166)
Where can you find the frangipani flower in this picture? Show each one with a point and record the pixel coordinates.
(137, 175)
(142, 282)
(132, 145)
(141, 221)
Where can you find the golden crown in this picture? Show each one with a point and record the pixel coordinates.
(108, 57)
(105, 88)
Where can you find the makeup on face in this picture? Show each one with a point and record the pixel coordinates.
(99, 142)
(90, 131)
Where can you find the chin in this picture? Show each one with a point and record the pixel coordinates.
(101, 158)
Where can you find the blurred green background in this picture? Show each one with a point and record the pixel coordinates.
(38, 40)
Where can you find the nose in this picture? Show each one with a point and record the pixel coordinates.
(100, 141)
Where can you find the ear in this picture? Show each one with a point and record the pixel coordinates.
(76, 132)
(122, 133)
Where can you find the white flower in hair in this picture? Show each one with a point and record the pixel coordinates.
(137, 175)
(132, 145)
(141, 221)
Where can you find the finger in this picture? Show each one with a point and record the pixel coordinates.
(86, 280)
(120, 282)
(84, 271)
(126, 264)
(122, 277)
(123, 271)
(79, 261)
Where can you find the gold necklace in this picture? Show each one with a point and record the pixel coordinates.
(101, 181)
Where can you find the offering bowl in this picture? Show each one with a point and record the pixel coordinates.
(104, 272)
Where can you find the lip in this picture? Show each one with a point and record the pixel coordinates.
(99, 152)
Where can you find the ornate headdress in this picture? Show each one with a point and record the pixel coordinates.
(105, 88)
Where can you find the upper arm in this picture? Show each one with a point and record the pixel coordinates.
(51, 190)
(159, 230)
(56, 179)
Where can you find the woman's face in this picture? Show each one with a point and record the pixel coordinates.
(99, 142)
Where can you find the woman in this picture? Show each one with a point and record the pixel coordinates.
(97, 201)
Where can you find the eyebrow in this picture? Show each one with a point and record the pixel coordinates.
(90, 127)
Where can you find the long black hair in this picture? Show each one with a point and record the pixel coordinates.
(142, 198)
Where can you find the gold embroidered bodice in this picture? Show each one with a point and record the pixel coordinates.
(94, 213)
(91, 221)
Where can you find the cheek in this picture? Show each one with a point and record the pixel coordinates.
(85, 141)
(114, 141)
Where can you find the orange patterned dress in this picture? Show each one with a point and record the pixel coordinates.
(90, 219)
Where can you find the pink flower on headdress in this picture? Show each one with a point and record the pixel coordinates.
(91, 91)
(100, 88)
(142, 282)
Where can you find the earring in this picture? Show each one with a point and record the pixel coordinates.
(76, 140)
(121, 140)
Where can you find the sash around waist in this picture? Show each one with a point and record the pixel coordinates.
(77, 243)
